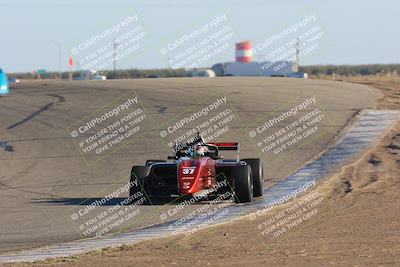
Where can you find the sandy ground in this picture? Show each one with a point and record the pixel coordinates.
(355, 222)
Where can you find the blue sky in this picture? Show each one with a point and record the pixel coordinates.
(355, 32)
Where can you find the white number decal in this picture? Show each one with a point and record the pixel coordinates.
(188, 170)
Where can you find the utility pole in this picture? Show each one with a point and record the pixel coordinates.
(70, 64)
(115, 46)
(296, 64)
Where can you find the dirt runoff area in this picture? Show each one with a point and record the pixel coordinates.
(352, 219)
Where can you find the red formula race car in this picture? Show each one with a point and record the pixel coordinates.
(197, 170)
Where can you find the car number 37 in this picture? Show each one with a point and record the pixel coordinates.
(189, 170)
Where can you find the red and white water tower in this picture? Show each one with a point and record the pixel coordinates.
(244, 52)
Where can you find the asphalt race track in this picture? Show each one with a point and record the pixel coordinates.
(44, 178)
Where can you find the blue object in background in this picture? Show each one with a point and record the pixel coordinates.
(4, 89)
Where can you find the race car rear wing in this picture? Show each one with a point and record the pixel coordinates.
(226, 145)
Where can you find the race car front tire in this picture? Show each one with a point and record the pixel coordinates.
(138, 174)
(257, 173)
(243, 184)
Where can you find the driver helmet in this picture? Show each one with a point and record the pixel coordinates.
(201, 150)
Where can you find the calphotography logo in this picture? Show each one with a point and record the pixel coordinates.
(113, 43)
(281, 52)
(197, 47)
(110, 128)
(212, 119)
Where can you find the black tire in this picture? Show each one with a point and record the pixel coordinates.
(243, 184)
(138, 174)
(257, 175)
(150, 161)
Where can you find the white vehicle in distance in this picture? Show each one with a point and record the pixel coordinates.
(302, 75)
(99, 77)
(91, 75)
(203, 73)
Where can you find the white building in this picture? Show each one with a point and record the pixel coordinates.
(279, 68)
(245, 66)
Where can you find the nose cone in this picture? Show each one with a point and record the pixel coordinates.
(188, 174)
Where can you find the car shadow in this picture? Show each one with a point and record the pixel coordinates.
(99, 201)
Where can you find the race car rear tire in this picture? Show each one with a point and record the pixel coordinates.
(257, 175)
(138, 174)
(243, 185)
(149, 161)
